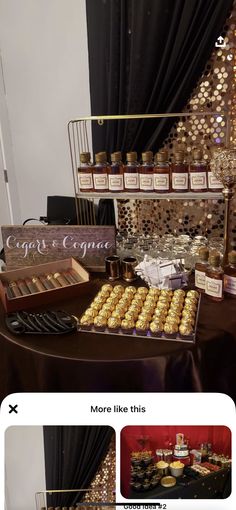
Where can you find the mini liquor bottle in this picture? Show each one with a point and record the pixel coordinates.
(85, 173)
(200, 269)
(230, 275)
(212, 181)
(146, 172)
(131, 173)
(116, 173)
(161, 176)
(198, 173)
(179, 174)
(214, 278)
(100, 172)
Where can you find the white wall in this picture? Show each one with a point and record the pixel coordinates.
(24, 465)
(45, 65)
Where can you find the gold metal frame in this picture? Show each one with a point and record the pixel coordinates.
(44, 493)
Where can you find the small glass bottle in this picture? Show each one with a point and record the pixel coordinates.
(146, 172)
(161, 176)
(85, 173)
(179, 174)
(116, 173)
(131, 173)
(100, 172)
(200, 269)
(230, 275)
(214, 278)
(198, 173)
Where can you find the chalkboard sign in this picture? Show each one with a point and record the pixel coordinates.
(35, 244)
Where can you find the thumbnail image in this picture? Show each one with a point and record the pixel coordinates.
(59, 467)
(171, 462)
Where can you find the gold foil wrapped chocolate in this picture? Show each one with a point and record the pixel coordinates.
(107, 287)
(86, 320)
(143, 291)
(170, 329)
(100, 322)
(130, 290)
(96, 306)
(127, 324)
(131, 315)
(113, 299)
(105, 313)
(113, 323)
(91, 312)
(156, 327)
(185, 329)
(193, 293)
(118, 289)
(174, 316)
(190, 303)
(109, 306)
(154, 292)
(142, 325)
(116, 314)
(146, 316)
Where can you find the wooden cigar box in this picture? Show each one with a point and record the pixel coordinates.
(47, 296)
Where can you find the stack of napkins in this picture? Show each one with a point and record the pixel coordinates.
(165, 274)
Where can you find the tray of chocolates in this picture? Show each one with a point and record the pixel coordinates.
(142, 312)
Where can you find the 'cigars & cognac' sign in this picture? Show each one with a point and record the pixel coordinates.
(35, 244)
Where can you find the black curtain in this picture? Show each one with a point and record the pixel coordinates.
(72, 458)
(146, 56)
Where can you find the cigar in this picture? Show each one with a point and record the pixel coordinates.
(23, 287)
(74, 275)
(55, 283)
(8, 290)
(69, 277)
(31, 286)
(47, 283)
(61, 279)
(15, 290)
(38, 284)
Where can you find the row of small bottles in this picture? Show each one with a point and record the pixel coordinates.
(212, 279)
(148, 176)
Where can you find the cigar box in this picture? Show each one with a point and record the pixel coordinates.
(47, 296)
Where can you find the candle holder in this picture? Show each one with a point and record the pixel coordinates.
(223, 165)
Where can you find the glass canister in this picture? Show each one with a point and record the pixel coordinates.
(159, 455)
(167, 456)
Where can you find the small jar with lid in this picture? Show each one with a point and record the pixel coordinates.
(200, 268)
(85, 173)
(116, 173)
(179, 174)
(131, 173)
(146, 172)
(230, 275)
(214, 278)
(161, 176)
(198, 172)
(100, 172)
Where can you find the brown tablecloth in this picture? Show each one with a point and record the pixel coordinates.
(95, 362)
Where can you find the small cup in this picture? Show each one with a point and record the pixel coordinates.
(128, 265)
(113, 267)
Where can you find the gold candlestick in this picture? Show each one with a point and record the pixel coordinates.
(223, 165)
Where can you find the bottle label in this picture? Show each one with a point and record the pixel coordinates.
(146, 182)
(179, 181)
(85, 181)
(161, 182)
(214, 287)
(131, 180)
(200, 279)
(230, 284)
(116, 182)
(198, 180)
(213, 181)
(100, 181)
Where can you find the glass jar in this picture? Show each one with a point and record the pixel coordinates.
(85, 173)
(131, 173)
(100, 172)
(161, 176)
(198, 173)
(179, 174)
(146, 172)
(116, 173)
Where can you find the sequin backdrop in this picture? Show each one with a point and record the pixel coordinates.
(215, 91)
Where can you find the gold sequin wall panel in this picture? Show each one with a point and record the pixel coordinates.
(215, 91)
(102, 488)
